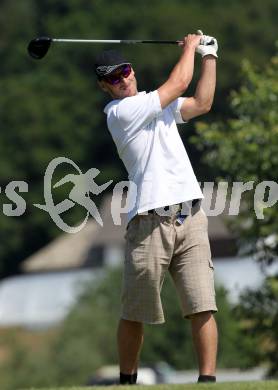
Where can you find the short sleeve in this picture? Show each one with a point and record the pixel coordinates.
(176, 107)
(136, 112)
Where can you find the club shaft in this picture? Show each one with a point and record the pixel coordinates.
(131, 41)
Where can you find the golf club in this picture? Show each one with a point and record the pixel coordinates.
(39, 47)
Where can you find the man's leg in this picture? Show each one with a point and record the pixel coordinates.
(204, 332)
(130, 340)
(143, 276)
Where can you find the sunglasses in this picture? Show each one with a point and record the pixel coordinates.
(116, 77)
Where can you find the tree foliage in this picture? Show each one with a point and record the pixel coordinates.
(260, 310)
(245, 148)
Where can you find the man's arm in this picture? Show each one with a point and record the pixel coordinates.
(202, 100)
(182, 74)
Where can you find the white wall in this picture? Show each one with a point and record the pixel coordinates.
(41, 300)
(235, 274)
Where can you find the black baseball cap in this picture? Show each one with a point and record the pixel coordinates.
(108, 61)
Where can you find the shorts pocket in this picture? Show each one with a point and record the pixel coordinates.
(139, 230)
(211, 263)
(131, 229)
(203, 212)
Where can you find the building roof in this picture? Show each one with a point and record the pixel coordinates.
(74, 250)
(66, 251)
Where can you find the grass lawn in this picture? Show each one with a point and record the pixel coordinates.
(260, 385)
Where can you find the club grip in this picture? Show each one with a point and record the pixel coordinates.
(209, 43)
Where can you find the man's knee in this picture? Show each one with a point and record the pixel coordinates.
(130, 321)
(204, 315)
(130, 324)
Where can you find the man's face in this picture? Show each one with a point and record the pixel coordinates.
(127, 86)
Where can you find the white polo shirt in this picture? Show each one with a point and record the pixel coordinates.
(149, 144)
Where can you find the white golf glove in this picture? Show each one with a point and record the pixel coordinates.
(204, 49)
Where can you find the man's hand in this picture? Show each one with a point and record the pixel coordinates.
(204, 49)
(191, 41)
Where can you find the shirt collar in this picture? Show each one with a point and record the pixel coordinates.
(110, 104)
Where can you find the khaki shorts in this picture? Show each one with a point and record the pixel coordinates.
(155, 244)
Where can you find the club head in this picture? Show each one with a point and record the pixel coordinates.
(38, 47)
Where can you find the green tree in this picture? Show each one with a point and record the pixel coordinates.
(245, 148)
(260, 310)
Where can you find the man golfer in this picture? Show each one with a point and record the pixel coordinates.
(167, 228)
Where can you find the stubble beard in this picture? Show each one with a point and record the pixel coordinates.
(126, 90)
